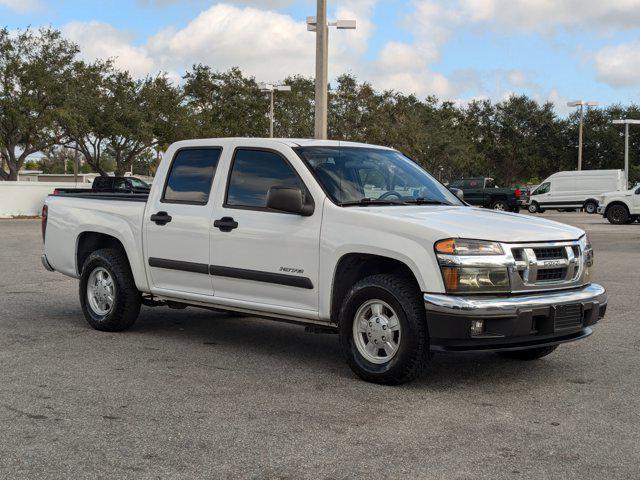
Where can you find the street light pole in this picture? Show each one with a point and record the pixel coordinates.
(581, 104)
(626, 122)
(271, 89)
(320, 25)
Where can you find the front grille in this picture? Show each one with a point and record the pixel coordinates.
(567, 316)
(551, 274)
(540, 265)
(550, 253)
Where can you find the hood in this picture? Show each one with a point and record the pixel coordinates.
(618, 193)
(480, 223)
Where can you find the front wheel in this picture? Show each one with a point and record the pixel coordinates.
(108, 295)
(534, 208)
(618, 215)
(383, 331)
(528, 354)
(500, 205)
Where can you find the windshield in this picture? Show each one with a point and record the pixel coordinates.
(355, 175)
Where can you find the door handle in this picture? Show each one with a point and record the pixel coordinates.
(161, 218)
(226, 224)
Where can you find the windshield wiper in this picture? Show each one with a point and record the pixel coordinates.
(426, 201)
(370, 201)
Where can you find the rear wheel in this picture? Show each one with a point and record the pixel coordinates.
(618, 214)
(528, 354)
(108, 295)
(383, 331)
(591, 207)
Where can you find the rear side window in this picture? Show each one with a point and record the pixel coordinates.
(253, 173)
(191, 176)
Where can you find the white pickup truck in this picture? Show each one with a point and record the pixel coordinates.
(621, 207)
(343, 237)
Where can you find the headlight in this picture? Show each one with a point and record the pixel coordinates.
(475, 279)
(461, 246)
(463, 274)
(588, 253)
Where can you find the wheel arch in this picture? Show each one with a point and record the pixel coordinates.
(89, 241)
(614, 203)
(354, 266)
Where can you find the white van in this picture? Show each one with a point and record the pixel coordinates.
(575, 189)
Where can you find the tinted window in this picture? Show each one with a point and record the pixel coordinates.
(254, 173)
(191, 176)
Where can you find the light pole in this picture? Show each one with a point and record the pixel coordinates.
(626, 122)
(581, 104)
(271, 89)
(320, 25)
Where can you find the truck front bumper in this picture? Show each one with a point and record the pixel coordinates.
(514, 322)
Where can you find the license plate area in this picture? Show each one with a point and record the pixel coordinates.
(567, 316)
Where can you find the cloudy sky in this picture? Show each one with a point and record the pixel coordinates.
(554, 50)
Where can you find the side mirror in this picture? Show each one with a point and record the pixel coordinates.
(290, 200)
(457, 192)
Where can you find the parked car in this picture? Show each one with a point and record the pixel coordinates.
(575, 190)
(341, 237)
(110, 184)
(621, 207)
(483, 192)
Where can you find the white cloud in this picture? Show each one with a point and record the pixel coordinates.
(263, 43)
(101, 40)
(618, 65)
(21, 6)
(543, 15)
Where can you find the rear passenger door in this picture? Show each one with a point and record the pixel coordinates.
(265, 257)
(177, 224)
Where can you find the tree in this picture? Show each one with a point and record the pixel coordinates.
(111, 113)
(35, 69)
(225, 104)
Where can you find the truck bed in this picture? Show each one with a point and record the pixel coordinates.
(88, 193)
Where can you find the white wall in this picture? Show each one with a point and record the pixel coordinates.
(26, 198)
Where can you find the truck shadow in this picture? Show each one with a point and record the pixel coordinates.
(276, 345)
(269, 348)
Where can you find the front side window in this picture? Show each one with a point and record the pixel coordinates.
(253, 173)
(191, 176)
(544, 188)
(359, 175)
(490, 183)
(137, 183)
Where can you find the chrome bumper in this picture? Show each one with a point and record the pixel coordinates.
(45, 263)
(504, 306)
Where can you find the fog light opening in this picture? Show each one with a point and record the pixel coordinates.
(477, 327)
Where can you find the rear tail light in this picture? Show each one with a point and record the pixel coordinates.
(518, 193)
(45, 213)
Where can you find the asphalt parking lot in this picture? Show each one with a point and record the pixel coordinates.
(194, 394)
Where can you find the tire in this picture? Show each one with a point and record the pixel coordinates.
(528, 354)
(115, 305)
(398, 297)
(533, 208)
(590, 207)
(617, 214)
(500, 205)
